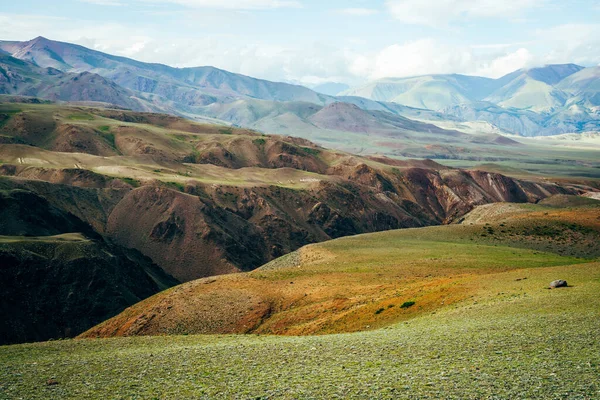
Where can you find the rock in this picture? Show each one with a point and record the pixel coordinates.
(558, 284)
(51, 382)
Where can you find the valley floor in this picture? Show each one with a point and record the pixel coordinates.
(518, 340)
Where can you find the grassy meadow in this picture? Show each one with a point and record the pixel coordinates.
(516, 339)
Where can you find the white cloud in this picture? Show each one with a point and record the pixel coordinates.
(506, 64)
(437, 13)
(103, 2)
(358, 12)
(429, 56)
(425, 56)
(233, 4)
(576, 43)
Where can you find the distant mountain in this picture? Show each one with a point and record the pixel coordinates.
(554, 73)
(350, 118)
(19, 77)
(526, 93)
(549, 100)
(532, 89)
(331, 88)
(524, 89)
(433, 92)
(186, 86)
(584, 86)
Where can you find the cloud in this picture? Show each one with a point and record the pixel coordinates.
(111, 3)
(424, 56)
(571, 43)
(358, 12)
(437, 13)
(429, 56)
(506, 64)
(233, 4)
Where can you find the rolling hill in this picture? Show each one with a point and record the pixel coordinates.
(18, 77)
(374, 280)
(196, 200)
(435, 312)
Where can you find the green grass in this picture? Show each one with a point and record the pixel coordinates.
(81, 116)
(110, 138)
(6, 113)
(176, 185)
(311, 151)
(104, 128)
(536, 343)
(133, 182)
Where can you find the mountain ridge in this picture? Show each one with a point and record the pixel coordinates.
(200, 92)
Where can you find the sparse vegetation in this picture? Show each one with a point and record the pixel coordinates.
(311, 151)
(131, 181)
(259, 142)
(80, 116)
(110, 138)
(176, 185)
(466, 351)
(407, 304)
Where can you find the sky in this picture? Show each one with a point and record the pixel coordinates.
(317, 41)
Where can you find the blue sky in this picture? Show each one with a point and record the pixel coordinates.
(309, 41)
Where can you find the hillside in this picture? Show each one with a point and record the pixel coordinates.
(529, 94)
(362, 282)
(435, 312)
(467, 350)
(584, 86)
(59, 277)
(195, 198)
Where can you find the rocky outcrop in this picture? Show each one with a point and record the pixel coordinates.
(58, 277)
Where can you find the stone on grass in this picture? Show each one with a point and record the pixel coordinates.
(558, 284)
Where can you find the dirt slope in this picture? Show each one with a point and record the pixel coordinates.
(368, 281)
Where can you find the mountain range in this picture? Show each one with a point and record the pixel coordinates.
(554, 99)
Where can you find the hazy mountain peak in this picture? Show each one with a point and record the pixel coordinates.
(553, 73)
(38, 40)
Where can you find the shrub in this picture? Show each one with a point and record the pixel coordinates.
(379, 311)
(311, 151)
(407, 304)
